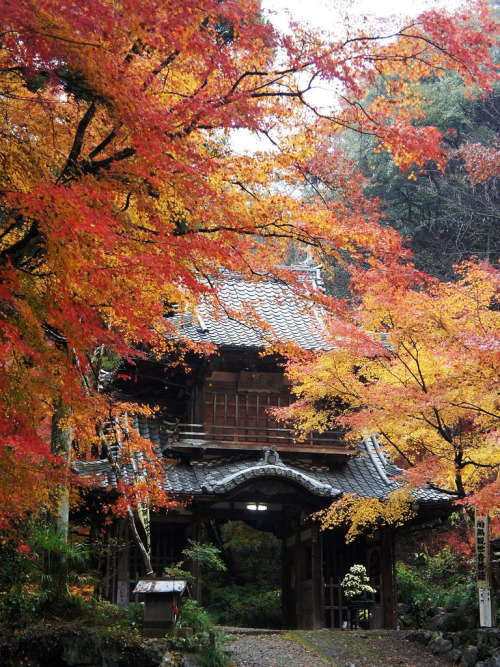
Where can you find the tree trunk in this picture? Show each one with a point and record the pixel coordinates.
(146, 560)
(115, 464)
(60, 442)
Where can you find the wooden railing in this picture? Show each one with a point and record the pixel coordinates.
(250, 434)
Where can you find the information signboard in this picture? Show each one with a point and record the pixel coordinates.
(483, 571)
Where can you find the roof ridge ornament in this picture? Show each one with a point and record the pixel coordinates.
(271, 456)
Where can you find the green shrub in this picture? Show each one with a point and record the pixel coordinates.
(214, 656)
(195, 617)
(441, 581)
(445, 568)
(106, 614)
(249, 595)
(208, 639)
(206, 554)
(61, 561)
(246, 606)
(459, 597)
(256, 554)
(414, 595)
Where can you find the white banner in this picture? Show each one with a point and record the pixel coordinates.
(144, 517)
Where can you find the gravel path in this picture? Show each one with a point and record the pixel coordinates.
(318, 648)
(272, 650)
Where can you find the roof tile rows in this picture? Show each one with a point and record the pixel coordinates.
(275, 310)
(357, 475)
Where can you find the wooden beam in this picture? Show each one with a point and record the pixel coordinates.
(257, 446)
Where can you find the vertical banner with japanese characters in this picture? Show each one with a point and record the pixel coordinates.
(486, 609)
(145, 519)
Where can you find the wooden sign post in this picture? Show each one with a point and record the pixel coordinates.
(486, 608)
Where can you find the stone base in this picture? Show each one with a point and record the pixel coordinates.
(180, 633)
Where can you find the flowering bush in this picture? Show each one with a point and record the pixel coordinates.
(356, 583)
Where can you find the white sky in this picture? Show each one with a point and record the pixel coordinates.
(324, 14)
(328, 15)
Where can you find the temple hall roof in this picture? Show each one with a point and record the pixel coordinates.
(254, 314)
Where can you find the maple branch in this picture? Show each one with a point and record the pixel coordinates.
(100, 147)
(459, 457)
(303, 236)
(84, 379)
(348, 391)
(378, 38)
(116, 467)
(336, 120)
(470, 406)
(245, 189)
(278, 74)
(168, 61)
(271, 82)
(419, 367)
(95, 371)
(471, 462)
(29, 247)
(127, 202)
(435, 45)
(269, 138)
(139, 543)
(408, 368)
(282, 93)
(448, 492)
(311, 180)
(443, 430)
(252, 93)
(17, 68)
(75, 151)
(94, 167)
(17, 219)
(397, 448)
(358, 105)
(70, 41)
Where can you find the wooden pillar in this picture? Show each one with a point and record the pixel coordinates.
(196, 534)
(318, 588)
(387, 582)
(299, 582)
(288, 610)
(123, 570)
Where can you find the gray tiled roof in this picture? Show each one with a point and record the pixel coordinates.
(151, 429)
(358, 475)
(274, 312)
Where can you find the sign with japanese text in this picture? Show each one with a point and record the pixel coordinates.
(482, 551)
(486, 614)
(486, 609)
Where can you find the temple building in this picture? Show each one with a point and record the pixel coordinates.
(233, 461)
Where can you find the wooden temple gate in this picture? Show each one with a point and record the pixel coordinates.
(217, 422)
(311, 573)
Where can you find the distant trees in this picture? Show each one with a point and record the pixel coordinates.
(447, 216)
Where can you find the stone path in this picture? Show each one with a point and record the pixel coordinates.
(272, 650)
(307, 648)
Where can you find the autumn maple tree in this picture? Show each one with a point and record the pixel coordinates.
(415, 361)
(121, 194)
